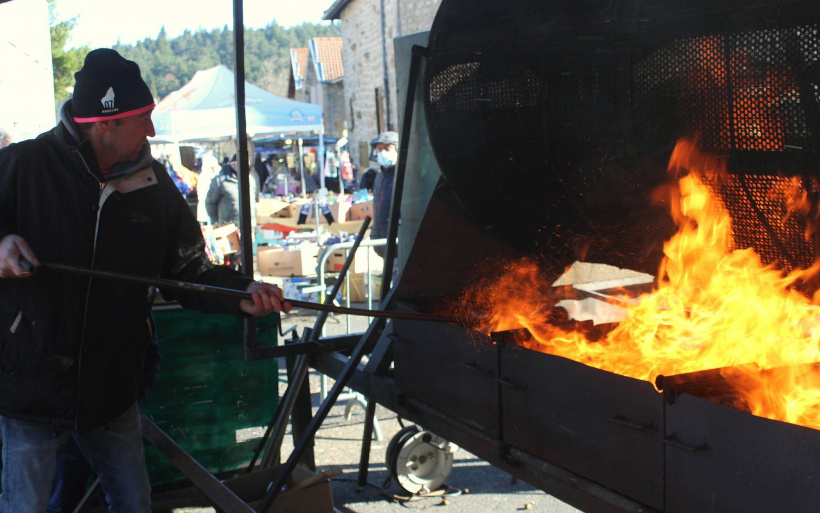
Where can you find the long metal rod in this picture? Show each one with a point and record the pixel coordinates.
(210, 289)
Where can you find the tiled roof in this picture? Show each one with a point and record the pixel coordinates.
(326, 53)
(298, 66)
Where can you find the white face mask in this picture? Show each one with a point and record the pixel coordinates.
(387, 158)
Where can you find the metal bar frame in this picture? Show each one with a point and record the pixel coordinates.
(216, 492)
(365, 345)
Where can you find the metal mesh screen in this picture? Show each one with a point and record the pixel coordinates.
(764, 217)
(556, 121)
(741, 91)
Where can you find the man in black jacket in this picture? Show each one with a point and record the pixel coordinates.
(386, 145)
(72, 347)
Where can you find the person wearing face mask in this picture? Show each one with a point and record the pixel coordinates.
(386, 145)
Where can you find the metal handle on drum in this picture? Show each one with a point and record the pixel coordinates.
(674, 442)
(477, 369)
(628, 423)
(506, 383)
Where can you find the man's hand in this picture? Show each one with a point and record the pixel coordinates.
(267, 298)
(12, 249)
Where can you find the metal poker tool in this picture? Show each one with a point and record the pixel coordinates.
(210, 289)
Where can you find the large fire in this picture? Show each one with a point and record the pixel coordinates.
(712, 308)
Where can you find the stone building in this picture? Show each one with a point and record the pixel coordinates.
(298, 65)
(317, 76)
(368, 28)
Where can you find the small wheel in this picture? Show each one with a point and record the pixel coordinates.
(397, 441)
(419, 460)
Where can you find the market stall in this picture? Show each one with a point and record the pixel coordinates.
(204, 109)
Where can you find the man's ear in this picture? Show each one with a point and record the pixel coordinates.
(105, 125)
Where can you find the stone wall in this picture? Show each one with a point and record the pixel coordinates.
(417, 15)
(330, 96)
(364, 52)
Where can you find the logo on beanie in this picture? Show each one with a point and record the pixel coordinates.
(108, 102)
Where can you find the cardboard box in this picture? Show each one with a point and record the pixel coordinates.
(349, 227)
(359, 211)
(297, 261)
(358, 287)
(336, 260)
(269, 207)
(227, 239)
(289, 211)
(305, 492)
(338, 210)
(308, 493)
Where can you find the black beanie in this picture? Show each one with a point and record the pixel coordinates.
(109, 87)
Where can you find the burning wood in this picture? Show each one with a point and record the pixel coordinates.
(713, 307)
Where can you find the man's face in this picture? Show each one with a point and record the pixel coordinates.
(125, 137)
(380, 147)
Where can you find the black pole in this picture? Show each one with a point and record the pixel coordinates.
(300, 373)
(242, 156)
(367, 436)
(401, 168)
(392, 233)
(364, 346)
(251, 338)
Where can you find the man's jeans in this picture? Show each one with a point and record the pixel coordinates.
(115, 451)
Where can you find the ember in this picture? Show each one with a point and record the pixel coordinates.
(713, 307)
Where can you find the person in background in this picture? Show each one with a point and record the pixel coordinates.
(94, 178)
(261, 170)
(184, 178)
(368, 177)
(222, 200)
(6, 137)
(386, 145)
(210, 169)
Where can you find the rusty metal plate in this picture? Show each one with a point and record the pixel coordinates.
(450, 368)
(600, 425)
(724, 460)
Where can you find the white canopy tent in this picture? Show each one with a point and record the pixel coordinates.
(204, 110)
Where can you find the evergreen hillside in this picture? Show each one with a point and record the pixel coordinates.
(168, 64)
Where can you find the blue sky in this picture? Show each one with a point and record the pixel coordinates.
(102, 23)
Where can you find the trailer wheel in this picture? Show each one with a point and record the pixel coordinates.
(418, 460)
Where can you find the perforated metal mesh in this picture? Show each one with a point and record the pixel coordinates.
(765, 217)
(556, 120)
(741, 91)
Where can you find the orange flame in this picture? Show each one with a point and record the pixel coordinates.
(713, 308)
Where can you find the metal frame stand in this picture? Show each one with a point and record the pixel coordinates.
(382, 363)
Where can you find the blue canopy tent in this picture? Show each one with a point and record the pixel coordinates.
(204, 110)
